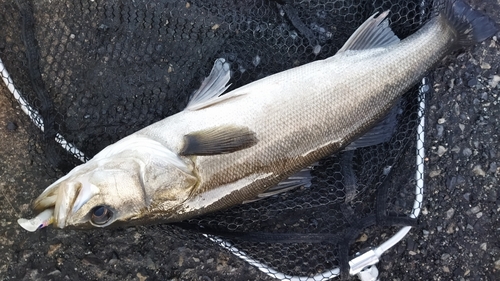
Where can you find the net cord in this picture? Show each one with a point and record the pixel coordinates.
(372, 255)
(37, 120)
(35, 116)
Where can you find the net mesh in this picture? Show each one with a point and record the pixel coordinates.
(98, 71)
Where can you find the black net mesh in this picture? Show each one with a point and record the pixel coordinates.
(98, 71)
(355, 199)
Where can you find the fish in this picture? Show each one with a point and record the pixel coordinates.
(225, 149)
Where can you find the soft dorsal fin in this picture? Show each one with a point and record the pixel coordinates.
(212, 86)
(373, 33)
(219, 140)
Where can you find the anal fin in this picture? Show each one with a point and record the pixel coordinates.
(380, 133)
(299, 179)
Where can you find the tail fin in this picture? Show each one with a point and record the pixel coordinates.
(472, 26)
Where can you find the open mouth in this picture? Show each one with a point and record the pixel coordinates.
(59, 202)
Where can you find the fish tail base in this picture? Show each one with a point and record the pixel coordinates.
(471, 25)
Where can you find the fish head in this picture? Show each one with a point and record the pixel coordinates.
(119, 186)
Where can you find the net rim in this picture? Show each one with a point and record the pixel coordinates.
(357, 264)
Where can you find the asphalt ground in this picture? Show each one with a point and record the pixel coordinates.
(457, 237)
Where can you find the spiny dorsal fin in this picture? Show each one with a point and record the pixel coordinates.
(212, 87)
(220, 140)
(373, 33)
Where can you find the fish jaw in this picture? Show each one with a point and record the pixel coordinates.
(61, 195)
(70, 199)
(66, 196)
(128, 183)
(67, 193)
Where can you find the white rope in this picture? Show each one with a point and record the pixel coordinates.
(35, 116)
(327, 275)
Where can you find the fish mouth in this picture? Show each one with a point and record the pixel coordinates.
(67, 195)
(40, 221)
(59, 202)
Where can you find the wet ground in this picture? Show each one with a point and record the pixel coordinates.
(457, 237)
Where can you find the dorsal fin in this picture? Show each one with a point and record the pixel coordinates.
(373, 33)
(212, 86)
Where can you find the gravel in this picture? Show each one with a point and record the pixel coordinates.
(457, 237)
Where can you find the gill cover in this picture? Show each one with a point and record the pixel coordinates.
(125, 179)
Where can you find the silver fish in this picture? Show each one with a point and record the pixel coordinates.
(225, 149)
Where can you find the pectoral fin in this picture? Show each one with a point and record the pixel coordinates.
(220, 140)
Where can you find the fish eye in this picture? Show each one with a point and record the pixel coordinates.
(101, 215)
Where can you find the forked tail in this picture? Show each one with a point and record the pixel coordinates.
(471, 25)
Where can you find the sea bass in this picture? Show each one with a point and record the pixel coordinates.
(225, 149)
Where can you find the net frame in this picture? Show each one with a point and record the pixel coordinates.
(358, 264)
(37, 120)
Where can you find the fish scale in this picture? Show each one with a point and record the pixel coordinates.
(298, 124)
(223, 150)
